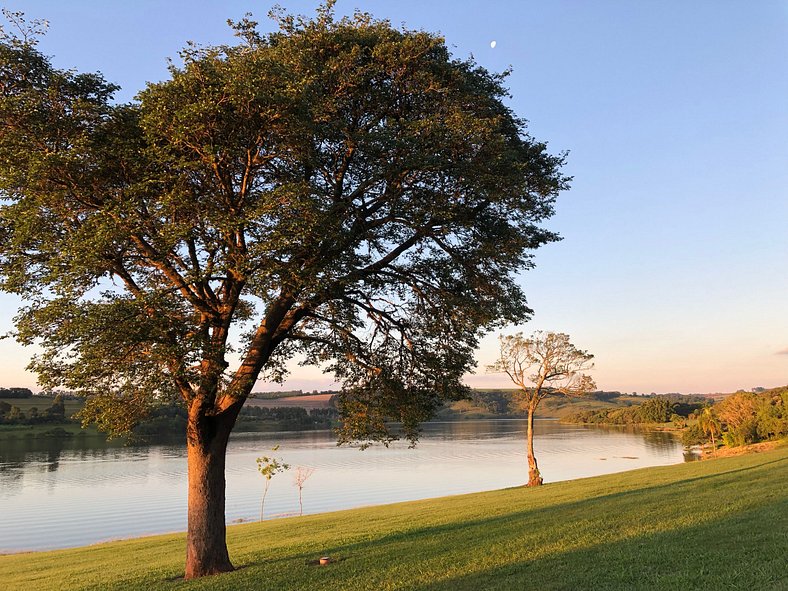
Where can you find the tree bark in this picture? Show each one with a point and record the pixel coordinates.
(262, 503)
(534, 478)
(206, 546)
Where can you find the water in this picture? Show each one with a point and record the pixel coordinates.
(61, 493)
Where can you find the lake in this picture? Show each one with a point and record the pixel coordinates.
(62, 493)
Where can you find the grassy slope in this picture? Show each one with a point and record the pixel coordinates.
(720, 524)
(552, 407)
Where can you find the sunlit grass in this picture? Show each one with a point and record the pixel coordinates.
(720, 524)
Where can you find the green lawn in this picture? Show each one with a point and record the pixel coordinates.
(718, 524)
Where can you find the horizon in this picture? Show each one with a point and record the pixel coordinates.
(672, 265)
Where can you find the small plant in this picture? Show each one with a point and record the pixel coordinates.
(301, 475)
(269, 467)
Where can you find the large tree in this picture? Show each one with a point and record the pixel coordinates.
(340, 190)
(544, 364)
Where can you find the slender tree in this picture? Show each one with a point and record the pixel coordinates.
(546, 363)
(301, 475)
(269, 466)
(709, 424)
(338, 189)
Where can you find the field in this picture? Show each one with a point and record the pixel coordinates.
(43, 403)
(717, 524)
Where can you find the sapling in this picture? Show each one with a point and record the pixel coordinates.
(301, 475)
(268, 467)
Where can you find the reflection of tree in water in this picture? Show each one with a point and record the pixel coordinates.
(664, 442)
(473, 429)
(661, 441)
(19, 455)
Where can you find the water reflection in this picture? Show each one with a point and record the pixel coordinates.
(67, 492)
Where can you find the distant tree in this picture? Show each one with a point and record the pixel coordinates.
(15, 416)
(340, 189)
(772, 415)
(738, 410)
(656, 410)
(709, 424)
(269, 467)
(302, 474)
(750, 417)
(57, 411)
(543, 364)
(693, 435)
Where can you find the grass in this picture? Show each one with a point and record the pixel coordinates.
(718, 524)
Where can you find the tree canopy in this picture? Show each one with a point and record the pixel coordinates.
(540, 365)
(340, 189)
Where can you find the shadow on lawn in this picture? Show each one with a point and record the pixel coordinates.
(746, 551)
(625, 500)
(533, 536)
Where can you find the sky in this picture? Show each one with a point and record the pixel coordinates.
(672, 268)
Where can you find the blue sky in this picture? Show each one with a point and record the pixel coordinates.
(673, 269)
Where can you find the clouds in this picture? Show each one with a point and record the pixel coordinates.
(782, 351)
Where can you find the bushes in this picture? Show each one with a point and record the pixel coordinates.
(655, 410)
(693, 435)
(659, 409)
(748, 417)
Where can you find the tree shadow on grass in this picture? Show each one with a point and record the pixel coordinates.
(747, 551)
(603, 542)
(657, 495)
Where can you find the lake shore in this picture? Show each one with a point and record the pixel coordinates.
(61, 493)
(703, 525)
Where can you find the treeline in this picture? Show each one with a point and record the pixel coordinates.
(11, 414)
(169, 421)
(741, 418)
(656, 409)
(506, 402)
(317, 417)
(16, 393)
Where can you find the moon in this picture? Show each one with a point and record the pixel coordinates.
(493, 44)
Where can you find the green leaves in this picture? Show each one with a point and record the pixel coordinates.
(271, 466)
(340, 189)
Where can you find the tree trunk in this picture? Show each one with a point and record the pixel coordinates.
(206, 546)
(265, 492)
(534, 478)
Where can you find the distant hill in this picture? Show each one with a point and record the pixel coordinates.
(717, 396)
(502, 403)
